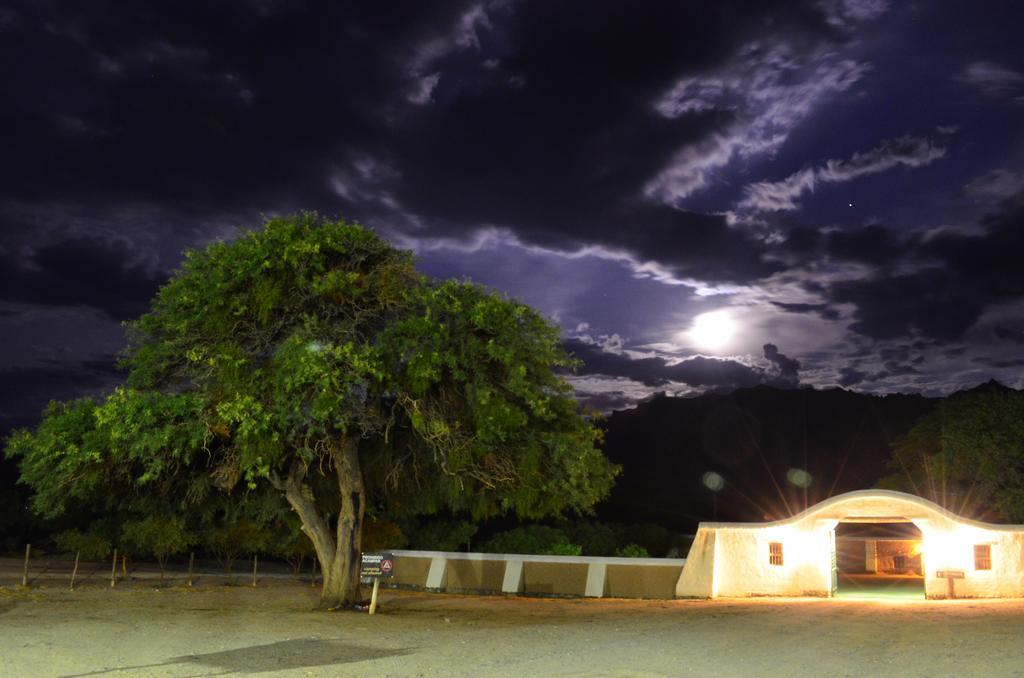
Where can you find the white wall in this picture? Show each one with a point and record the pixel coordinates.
(732, 559)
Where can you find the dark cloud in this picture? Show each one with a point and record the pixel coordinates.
(872, 244)
(199, 103)
(452, 116)
(851, 376)
(698, 371)
(606, 401)
(896, 369)
(84, 271)
(941, 302)
(1009, 334)
(821, 309)
(552, 150)
(999, 362)
(25, 391)
(788, 369)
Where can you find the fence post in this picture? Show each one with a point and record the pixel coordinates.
(254, 570)
(191, 562)
(74, 572)
(113, 569)
(24, 572)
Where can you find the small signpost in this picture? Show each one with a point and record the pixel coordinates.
(376, 566)
(949, 576)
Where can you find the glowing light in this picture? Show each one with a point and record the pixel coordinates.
(712, 330)
(713, 481)
(799, 477)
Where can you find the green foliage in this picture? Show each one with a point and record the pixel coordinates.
(264, 362)
(108, 453)
(442, 535)
(91, 545)
(632, 551)
(532, 539)
(596, 539)
(231, 540)
(475, 376)
(288, 542)
(967, 455)
(158, 536)
(380, 535)
(655, 539)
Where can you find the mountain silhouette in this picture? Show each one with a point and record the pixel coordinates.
(769, 452)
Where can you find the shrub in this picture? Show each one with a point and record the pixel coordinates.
(158, 536)
(379, 535)
(632, 551)
(596, 539)
(442, 535)
(90, 545)
(228, 542)
(291, 544)
(532, 539)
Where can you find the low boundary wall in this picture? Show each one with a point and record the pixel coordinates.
(516, 574)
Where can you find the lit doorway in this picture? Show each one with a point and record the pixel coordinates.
(879, 560)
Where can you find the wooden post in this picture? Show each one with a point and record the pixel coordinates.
(124, 567)
(74, 572)
(24, 572)
(373, 596)
(191, 562)
(254, 570)
(113, 569)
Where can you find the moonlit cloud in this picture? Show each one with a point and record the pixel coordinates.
(997, 185)
(906, 151)
(992, 79)
(768, 91)
(622, 170)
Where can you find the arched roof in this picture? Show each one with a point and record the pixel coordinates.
(874, 504)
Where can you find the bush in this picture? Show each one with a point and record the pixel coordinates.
(442, 535)
(596, 539)
(379, 535)
(532, 539)
(291, 544)
(158, 536)
(654, 538)
(90, 545)
(228, 542)
(632, 551)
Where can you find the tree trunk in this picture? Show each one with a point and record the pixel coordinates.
(341, 583)
(338, 553)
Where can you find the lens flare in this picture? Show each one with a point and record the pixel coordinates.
(713, 481)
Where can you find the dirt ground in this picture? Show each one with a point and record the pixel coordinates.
(141, 629)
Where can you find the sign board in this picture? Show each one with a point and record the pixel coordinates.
(377, 565)
(950, 574)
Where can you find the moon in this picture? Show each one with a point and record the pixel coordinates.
(712, 330)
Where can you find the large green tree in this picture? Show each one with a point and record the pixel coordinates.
(967, 455)
(310, 357)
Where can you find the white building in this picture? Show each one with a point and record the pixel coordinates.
(797, 556)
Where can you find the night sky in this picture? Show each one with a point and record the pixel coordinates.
(838, 183)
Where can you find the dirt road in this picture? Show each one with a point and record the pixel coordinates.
(272, 630)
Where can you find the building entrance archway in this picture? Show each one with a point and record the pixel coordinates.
(879, 559)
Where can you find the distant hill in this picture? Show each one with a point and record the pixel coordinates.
(759, 441)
